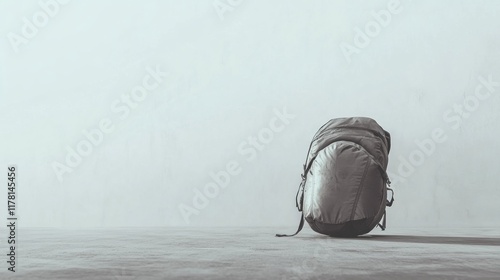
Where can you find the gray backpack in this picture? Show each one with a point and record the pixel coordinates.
(344, 186)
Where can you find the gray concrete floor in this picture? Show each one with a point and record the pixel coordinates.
(250, 253)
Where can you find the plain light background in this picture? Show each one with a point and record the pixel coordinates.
(226, 77)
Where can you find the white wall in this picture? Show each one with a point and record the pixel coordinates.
(227, 75)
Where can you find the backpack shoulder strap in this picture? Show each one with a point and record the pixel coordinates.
(299, 202)
(301, 225)
(383, 225)
(388, 204)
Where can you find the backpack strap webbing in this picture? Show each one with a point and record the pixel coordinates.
(301, 225)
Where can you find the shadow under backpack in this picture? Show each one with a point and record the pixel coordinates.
(344, 185)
